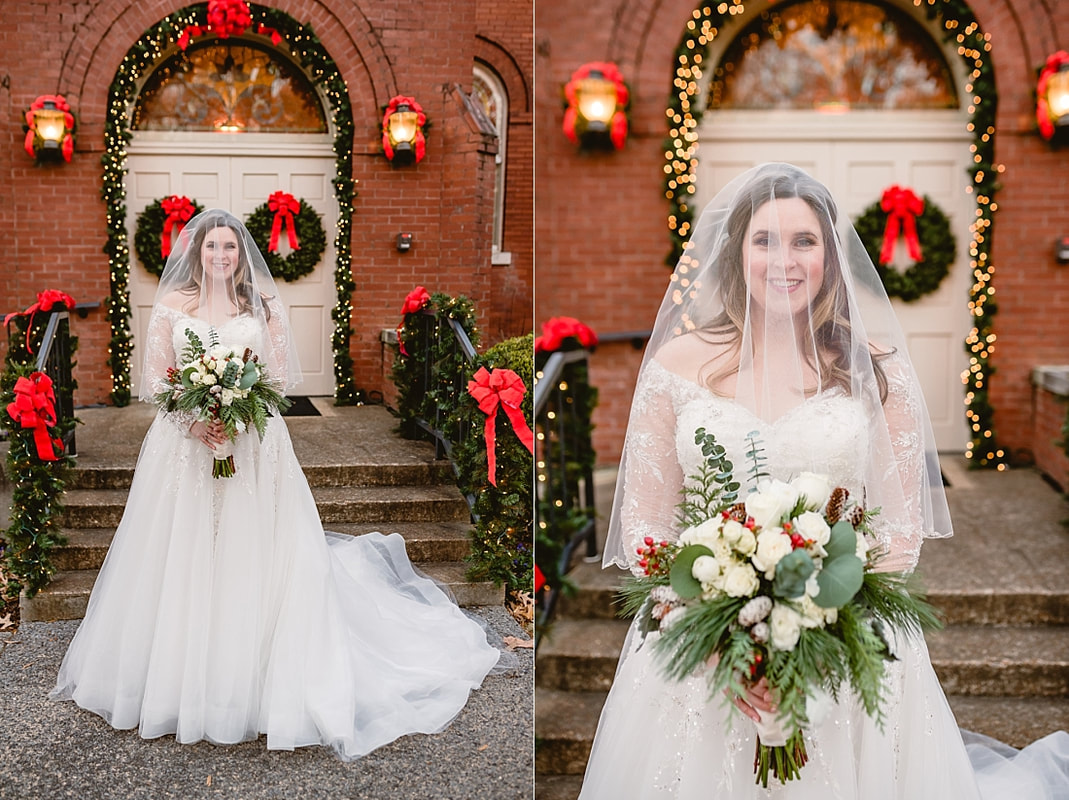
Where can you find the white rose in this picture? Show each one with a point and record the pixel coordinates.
(208, 379)
(706, 533)
(731, 531)
(812, 526)
(741, 581)
(227, 397)
(812, 614)
(219, 352)
(747, 543)
(705, 569)
(785, 626)
(770, 502)
(814, 487)
(772, 545)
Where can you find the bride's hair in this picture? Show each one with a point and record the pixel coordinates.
(241, 289)
(829, 335)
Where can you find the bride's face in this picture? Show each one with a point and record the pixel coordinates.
(220, 254)
(783, 256)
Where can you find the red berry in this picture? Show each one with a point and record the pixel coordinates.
(648, 540)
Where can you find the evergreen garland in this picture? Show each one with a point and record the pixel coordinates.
(962, 32)
(308, 52)
(150, 224)
(310, 236)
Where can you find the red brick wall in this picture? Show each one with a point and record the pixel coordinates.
(55, 219)
(1048, 416)
(600, 223)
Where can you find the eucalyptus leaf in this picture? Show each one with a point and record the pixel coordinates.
(792, 572)
(683, 582)
(839, 581)
(843, 540)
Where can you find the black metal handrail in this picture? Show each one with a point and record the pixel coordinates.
(564, 456)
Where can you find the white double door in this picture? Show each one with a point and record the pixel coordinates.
(239, 181)
(858, 156)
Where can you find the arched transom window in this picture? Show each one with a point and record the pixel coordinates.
(236, 86)
(829, 54)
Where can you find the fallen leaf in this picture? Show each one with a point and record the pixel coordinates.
(513, 642)
(208, 782)
(6, 623)
(482, 747)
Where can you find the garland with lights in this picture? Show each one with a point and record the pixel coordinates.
(961, 31)
(311, 237)
(937, 246)
(150, 229)
(307, 51)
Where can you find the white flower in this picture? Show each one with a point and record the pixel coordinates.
(741, 581)
(707, 533)
(772, 545)
(664, 594)
(812, 526)
(785, 625)
(208, 379)
(227, 397)
(862, 550)
(747, 543)
(770, 502)
(219, 352)
(705, 569)
(812, 615)
(755, 611)
(814, 487)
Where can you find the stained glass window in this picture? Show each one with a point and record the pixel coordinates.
(228, 87)
(833, 54)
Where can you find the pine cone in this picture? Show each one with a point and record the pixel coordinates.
(836, 503)
(738, 512)
(857, 516)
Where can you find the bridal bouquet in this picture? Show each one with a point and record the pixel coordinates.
(782, 586)
(214, 382)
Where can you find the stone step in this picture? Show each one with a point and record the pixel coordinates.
(103, 508)
(565, 722)
(67, 595)
(596, 589)
(557, 787)
(425, 542)
(579, 655)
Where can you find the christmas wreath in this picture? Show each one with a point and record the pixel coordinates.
(928, 236)
(157, 224)
(285, 217)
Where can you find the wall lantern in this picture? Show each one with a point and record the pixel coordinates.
(403, 124)
(596, 100)
(50, 128)
(1052, 95)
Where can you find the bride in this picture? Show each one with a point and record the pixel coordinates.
(222, 612)
(776, 326)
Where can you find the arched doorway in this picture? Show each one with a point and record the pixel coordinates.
(861, 95)
(227, 123)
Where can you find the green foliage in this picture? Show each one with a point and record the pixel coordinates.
(147, 236)
(683, 582)
(712, 489)
(310, 236)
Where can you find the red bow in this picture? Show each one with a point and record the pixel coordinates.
(225, 18)
(421, 120)
(1054, 63)
(179, 210)
(416, 300)
(35, 407)
(539, 579)
(503, 388)
(46, 301)
(558, 329)
(285, 206)
(902, 207)
(67, 145)
(618, 124)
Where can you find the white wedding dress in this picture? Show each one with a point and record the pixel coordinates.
(223, 612)
(665, 739)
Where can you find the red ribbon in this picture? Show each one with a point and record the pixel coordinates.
(421, 120)
(618, 123)
(35, 407)
(67, 144)
(226, 18)
(285, 206)
(179, 210)
(902, 207)
(539, 579)
(416, 300)
(46, 301)
(500, 388)
(276, 37)
(1054, 63)
(558, 329)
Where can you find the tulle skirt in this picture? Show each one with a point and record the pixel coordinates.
(223, 612)
(662, 739)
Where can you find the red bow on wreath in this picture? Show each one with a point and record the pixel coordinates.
(558, 329)
(226, 18)
(46, 301)
(902, 207)
(35, 407)
(67, 145)
(416, 300)
(421, 120)
(285, 206)
(618, 124)
(503, 388)
(179, 210)
(1043, 118)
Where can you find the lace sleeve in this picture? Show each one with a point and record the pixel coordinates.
(159, 357)
(652, 477)
(277, 355)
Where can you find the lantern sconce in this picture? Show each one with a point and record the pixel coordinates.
(403, 126)
(50, 129)
(1052, 96)
(596, 101)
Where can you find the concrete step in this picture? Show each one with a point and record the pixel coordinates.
(565, 722)
(425, 541)
(103, 508)
(557, 787)
(67, 595)
(580, 655)
(1017, 721)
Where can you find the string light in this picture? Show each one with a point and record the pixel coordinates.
(683, 116)
(309, 53)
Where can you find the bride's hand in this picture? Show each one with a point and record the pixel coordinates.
(208, 433)
(758, 698)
